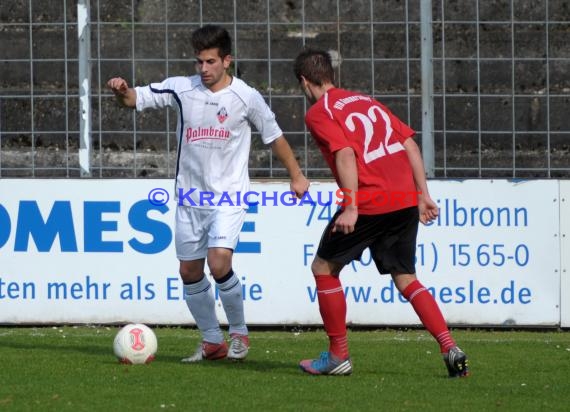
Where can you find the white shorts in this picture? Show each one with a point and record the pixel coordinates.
(199, 229)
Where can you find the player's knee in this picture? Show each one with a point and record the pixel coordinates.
(315, 266)
(321, 266)
(219, 262)
(219, 267)
(190, 273)
(219, 271)
(403, 280)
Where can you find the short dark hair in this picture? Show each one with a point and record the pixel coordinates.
(315, 66)
(210, 37)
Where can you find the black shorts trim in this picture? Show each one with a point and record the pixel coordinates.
(391, 238)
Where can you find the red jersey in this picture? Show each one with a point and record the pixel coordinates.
(341, 118)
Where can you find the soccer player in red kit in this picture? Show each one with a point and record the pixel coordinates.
(380, 173)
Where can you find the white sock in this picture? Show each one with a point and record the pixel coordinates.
(200, 300)
(232, 300)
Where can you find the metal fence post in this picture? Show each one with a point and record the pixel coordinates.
(428, 150)
(84, 56)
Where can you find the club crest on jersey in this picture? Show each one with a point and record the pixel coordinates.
(222, 115)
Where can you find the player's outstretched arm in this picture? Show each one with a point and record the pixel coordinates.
(125, 95)
(299, 183)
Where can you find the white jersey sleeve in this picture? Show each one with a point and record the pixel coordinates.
(158, 95)
(263, 118)
(258, 112)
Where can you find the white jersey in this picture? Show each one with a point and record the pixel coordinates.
(214, 136)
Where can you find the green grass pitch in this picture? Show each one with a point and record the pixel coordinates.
(72, 368)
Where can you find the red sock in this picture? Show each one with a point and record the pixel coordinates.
(332, 305)
(426, 308)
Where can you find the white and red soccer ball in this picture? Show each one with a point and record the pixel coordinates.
(135, 344)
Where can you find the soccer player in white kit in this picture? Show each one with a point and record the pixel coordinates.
(215, 111)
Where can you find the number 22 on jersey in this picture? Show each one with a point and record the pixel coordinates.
(377, 148)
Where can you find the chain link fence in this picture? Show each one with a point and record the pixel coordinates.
(501, 90)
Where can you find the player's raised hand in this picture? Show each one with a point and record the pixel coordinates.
(126, 95)
(118, 85)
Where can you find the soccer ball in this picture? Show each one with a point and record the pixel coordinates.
(135, 343)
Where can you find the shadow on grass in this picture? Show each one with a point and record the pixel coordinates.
(257, 365)
(250, 364)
